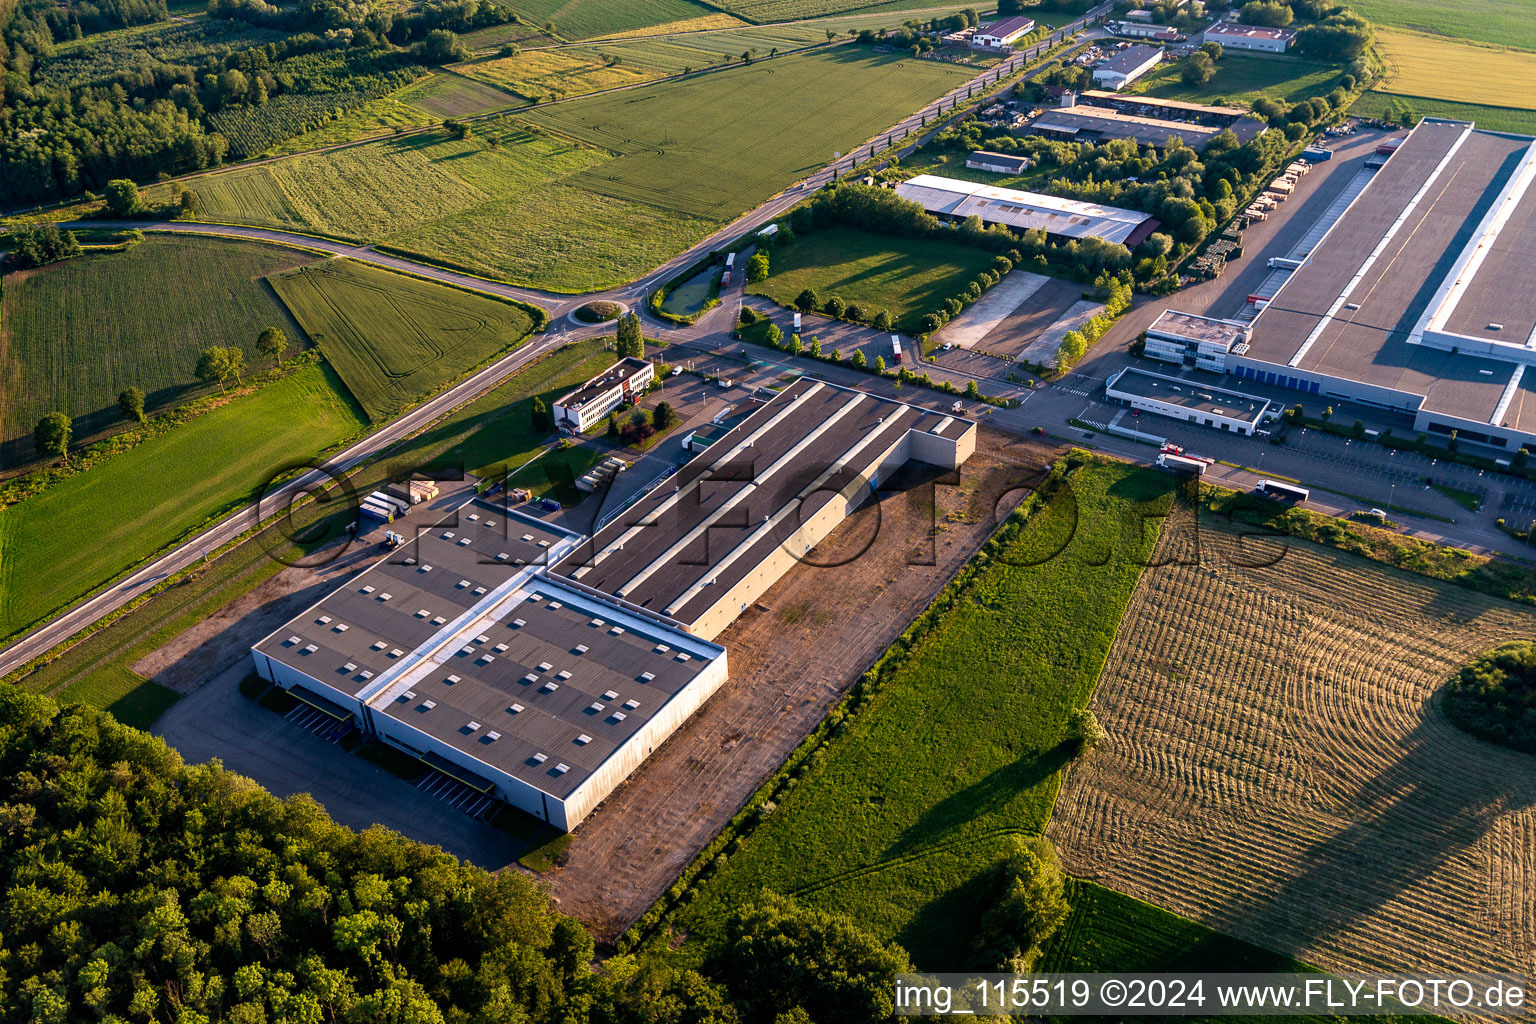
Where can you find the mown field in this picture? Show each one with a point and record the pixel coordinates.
(77, 333)
(906, 276)
(539, 75)
(60, 544)
(579, 19)
(508, 210)
(1423, 65)
(698, 50)
(449, 95)
(394, 339)
(1242, 80)
(1408, 110)
(1504, 22)
(703, 23)
(791, 10)
(491, 433)
(375, 117)
(717, 145)
(1275, 761)
(898, 820)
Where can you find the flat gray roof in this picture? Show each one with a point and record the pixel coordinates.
(678, 547)
(362, 630)
(1194, 395)
(1201, 328)
(1149, 131)
(1350, 309)
(602, 383)
(548, 671)
(1129, 59)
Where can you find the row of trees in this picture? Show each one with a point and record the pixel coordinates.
(215, 365)
(1337, 33)
(34, 245)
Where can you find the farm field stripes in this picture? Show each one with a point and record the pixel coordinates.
(77, 333)
(1271, 730)
(60, 544)
(1421, 65)
(791, 10)
(1504, 22)
(553, 74)
(716, 146)
(446, 94)
(395, 339)
(964, 743)
(372, 118)
(703, 23)
(579, 19)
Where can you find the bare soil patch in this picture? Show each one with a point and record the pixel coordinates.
(1278, 766)
(791, 657)
(1049, 303)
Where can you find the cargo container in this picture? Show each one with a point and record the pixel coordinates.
(376, 510)
(1283, 492)
(549, 504)
(1316, 154)
(400, 505)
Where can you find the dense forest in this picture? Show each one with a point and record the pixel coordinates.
(139, 888)
(76, 111)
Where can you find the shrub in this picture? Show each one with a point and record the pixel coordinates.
(1494, 698)
(835, 307)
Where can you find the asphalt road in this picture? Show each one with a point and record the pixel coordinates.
(562, 330)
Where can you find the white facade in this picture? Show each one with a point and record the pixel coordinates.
(1124, 69)
(584, 408)
(1196, 341)
(1003, 33)
(1249, 37)
(1190, 401)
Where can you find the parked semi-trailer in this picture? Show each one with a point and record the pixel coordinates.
(1181, 464)
(1282, 491)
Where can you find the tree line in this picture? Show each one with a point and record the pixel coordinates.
(136, 887)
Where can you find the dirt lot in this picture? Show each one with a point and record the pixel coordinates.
(1278, 766)
(1042, 309)
(791, 656)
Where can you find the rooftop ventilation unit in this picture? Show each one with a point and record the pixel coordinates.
(515, 709)
(473, 726)
(428, 705)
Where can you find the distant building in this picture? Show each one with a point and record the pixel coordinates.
(1198, 342)
(1147, 121)
(1233, 36)
(1126, 66)
(1001, 34)
(585, 407)
(998, 163)
(1134, 30)
(1140, 14)
(954, 200)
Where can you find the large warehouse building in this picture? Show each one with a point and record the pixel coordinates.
(542, 669)
(1420, 298)
(954, 200)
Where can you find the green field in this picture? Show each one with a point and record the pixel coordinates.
(911, 800)
(395, 339)
(1505, 22)
(446, 94)
(907, 276)
(719, 144)
(77, 333)
(791, 10)
(490, 434)
(507, 211)
(1242, 79)
(1410, 108)
(672, 55)
(62, 543)
(578, 19)
(387, 113)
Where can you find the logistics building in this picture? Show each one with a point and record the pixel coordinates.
(1419, 298)
(1126, 66)
(1262, 39)
(954, 200)
(1194, 341)
(540, 668)
(1194, 401)
(585, 407)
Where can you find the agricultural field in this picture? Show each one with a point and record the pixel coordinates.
(911, 801)
(445, 94)
(394, 339)
(1429, 66)
(581, 19)
(539, 75)
(1242, 80)
(704, 23)
(1408, 110)
(794, 10)
(508, 210)
(787, 117)
(60, 544)
(487, 435)
(1503, 22)
(674, 55)
(1276, 760)
(387, 113)
(70, 343)
(492, 36)
(907, 276)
